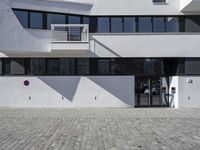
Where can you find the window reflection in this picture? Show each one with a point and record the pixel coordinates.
(145, 24)
(158, 24)
(116, 24)
(36, 20)
(129, 24)
(103, 24)
(55, 19)
(172, 24)
(23, 17)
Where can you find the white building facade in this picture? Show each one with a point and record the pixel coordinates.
(100, 53)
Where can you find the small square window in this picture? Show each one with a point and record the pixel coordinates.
(159, 1)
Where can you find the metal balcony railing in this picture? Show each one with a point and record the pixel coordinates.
(62, 33)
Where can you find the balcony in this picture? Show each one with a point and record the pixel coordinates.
(70, 37)
(190, 5)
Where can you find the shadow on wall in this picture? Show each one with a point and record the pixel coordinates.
(66, 88)
(105, 47)
(120, 87)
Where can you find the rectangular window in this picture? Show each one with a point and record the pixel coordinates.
(37, 66)
(75, 32)
(192, 66)
(83, 66)
(6, 66)
(158, 24)
(67, 66)
(172, 24)
(103, 24)
(116, 24)
(17, 66)
(145, 24)
(36, 20)
(74, 20)
(55, 19)
(1, 68)
(192, 24)
(159, 1)
(22, 17)
(129, 24)
(52, 66)
(103, 66)
(86, 20)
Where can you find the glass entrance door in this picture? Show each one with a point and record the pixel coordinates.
(150, 92)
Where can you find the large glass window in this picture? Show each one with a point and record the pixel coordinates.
(67, 66)
(75, 32)
(172, 24)
(1, 71)
(158, 24)
(38, 66)
(6, 66)
(86, 20)
(36, 20)
(74, 20)
(145, 24)
(103, 24)
(52, 66)
(129, 24)
(55, 19)
(23, 17)
(192, 66)
(192, 24)
(116, 24)
(83, 66)
(103, 66)
(17, 66)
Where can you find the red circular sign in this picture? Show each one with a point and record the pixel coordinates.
(26, 83)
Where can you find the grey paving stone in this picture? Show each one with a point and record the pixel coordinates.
(99, 129)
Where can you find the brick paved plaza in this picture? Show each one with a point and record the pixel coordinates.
(99, 129)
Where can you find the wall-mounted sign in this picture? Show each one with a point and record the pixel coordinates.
(164, 89)
(26, 83)
(173, 90)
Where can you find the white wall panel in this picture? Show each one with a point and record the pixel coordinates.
(68, 91)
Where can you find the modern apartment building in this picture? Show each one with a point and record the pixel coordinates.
(100, 53)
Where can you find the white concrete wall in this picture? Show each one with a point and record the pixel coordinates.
(67, 91)
(174, 97)
(187, 91)
(146, 45)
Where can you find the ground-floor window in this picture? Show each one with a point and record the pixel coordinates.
(100, 66)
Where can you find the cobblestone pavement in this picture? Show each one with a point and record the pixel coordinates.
(99, 129)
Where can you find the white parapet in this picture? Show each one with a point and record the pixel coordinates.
(69, 37)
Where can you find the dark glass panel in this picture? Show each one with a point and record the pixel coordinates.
(38, 66)
(103, 66)
(86, 20)
(192, 66)
(103, 24)
(172, 24)
(67, 66)
(116, 24)
(55, 19)
(52, 66)
(192, 24)
(145, 24)
(158, 24)
(23, 17)
(129, 24)
(6, 66)
(1, 66)
(74, 20)
(17, 66)
(83, 66)
(36, 20)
